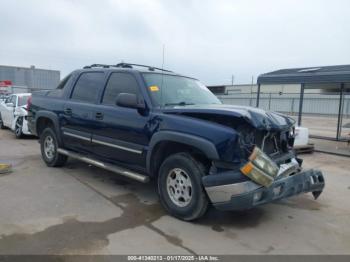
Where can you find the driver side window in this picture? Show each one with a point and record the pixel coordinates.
(13, 100)
(119, 83)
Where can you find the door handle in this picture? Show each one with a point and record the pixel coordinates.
(99, 115)
(68, 111)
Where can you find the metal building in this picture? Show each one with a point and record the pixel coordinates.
(331, 83)
(29, 79)
(317, 97)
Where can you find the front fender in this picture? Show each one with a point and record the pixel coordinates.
(13, 124)
(205, 146)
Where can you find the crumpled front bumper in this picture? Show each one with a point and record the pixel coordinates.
(25, 129)
(248, 194)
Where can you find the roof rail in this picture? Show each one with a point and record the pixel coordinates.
(150, 68)
(97, 65)
(126, 65)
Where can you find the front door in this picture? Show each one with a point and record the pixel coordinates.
(7, 114)
(120, 133)
(78, 111)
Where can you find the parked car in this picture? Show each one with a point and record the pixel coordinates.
(3, 98)
(13, 114)
(148, 123)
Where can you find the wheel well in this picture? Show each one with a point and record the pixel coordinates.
(42, 123)
(164, 149)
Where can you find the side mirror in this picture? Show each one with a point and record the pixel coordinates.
(130, 100)
(10, 105)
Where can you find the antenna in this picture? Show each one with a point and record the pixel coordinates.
(163, 56)
(161, 85)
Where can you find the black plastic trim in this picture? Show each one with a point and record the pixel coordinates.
(207, 147)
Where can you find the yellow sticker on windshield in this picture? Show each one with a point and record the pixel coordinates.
(154, 88)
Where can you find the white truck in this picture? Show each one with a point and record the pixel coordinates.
(13, 114)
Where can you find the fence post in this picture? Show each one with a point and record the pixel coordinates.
(341, 97)
(270, 101)
(301, 103)
(258, 96)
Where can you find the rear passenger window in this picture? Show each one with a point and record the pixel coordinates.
(88, 86)
(63, 83)
(58, 92)
(119, 83)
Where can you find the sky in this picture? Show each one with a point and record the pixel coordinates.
(208, 40)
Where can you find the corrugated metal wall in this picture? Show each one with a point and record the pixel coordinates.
(32, 78)
(319, 104)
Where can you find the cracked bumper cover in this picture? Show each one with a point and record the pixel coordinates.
(248, 194)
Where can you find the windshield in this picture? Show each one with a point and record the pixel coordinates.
(22, 100)
(169, 90)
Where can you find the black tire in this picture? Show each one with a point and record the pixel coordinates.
(54, 159)
(198, 204)
(18, 128)
(2, 123)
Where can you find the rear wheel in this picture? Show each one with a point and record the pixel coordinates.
(19, 128)
(49, 146)
(180, 187)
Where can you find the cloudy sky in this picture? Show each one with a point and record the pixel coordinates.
(210, 40)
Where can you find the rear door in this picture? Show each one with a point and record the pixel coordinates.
(78, 120)
(120, 133)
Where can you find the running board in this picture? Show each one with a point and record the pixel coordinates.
(110, 167)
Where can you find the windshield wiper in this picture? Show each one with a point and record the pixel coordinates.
(179, 104)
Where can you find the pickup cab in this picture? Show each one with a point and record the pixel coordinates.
(147, 123)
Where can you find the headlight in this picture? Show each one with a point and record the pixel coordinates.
(260, 168)
(262, 161)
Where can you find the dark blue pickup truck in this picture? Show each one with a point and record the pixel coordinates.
(148, 123)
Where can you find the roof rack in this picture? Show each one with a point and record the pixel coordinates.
(150, 68)
(126, 65)
(96, 65)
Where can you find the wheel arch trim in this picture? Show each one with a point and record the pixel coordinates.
(204, 145)
(52, 117)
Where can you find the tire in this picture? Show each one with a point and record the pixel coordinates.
(2, 126)
(181, 171)
(19, 127)
(48, 146)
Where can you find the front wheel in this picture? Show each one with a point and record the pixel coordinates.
(49, 146)
(2, 126)
(19, 128)
(180, 187)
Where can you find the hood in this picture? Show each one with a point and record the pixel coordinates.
(258, 118)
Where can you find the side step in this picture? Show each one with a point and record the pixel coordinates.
(110, 167)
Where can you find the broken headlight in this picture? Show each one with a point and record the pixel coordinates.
(260, 168)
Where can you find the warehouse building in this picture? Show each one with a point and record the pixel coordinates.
(28, 79)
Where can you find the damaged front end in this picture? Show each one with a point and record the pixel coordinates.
(268, 171)
(257, 163)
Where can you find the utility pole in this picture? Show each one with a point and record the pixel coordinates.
(251, 87)
(163, 56)
(232, 79)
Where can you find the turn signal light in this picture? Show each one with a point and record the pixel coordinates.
(257, 175)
